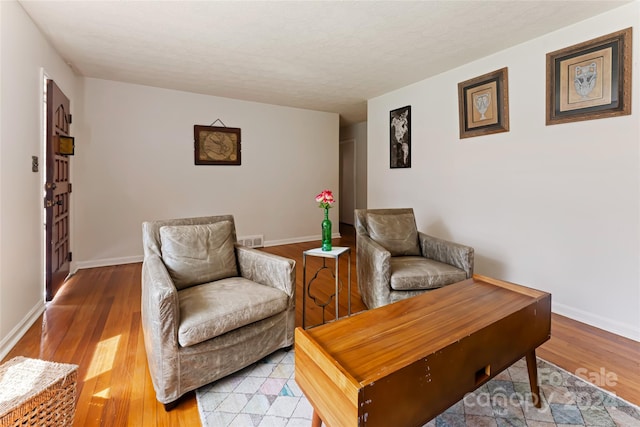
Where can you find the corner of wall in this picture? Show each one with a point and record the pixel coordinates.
(20, 329)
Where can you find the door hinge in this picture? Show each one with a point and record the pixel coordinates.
(69, 188)
(50, 203)
(70, 118)
(70, 256)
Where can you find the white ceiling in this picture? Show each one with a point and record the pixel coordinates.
(319, 55)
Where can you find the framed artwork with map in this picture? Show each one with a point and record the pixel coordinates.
(483, 104)
(215, 145)
(590, 80)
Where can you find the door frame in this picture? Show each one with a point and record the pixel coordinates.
(43, 179)
(353, 169)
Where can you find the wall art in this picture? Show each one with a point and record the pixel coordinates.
(590, 80)
(483, 104)
(400, 138)
(216, 145)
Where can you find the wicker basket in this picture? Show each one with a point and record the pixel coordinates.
(37, 393)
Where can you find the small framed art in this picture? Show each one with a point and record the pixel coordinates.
(400, 138)
(216, 145)
(590, 80)
(483, 104)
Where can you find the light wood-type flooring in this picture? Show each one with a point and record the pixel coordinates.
(94, 322)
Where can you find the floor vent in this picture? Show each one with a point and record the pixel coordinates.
(256, 241)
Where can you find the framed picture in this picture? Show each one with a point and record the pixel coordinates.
(483, 104)
(216, 145)
(590, 80)
(400, 138)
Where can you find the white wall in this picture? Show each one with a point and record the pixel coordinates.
(136, 163)
(358, 132)
(551, 207)
(23, 55)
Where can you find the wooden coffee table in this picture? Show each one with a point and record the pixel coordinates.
(403, 364)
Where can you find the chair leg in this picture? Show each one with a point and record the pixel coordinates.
(171, 405)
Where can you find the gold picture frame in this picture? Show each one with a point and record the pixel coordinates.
(216, 145)
(483, 104)
(590, 80)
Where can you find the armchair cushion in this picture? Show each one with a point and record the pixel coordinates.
(211, 309)
(413, 273)
(199, 253)
(396, 233)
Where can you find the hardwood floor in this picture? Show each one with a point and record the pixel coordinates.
(94, 322)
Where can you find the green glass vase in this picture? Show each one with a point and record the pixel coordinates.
(326, 231)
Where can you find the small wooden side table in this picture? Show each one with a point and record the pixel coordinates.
(335, 253)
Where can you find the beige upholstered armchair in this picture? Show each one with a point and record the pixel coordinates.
(395, 261)
(210, 307)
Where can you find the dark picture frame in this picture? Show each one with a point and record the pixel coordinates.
(216, 145)
(590, 80)
(400, 138)
(483, 104)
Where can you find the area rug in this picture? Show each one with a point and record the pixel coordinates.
(265, 394)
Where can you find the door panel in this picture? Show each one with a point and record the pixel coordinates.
(58, 191)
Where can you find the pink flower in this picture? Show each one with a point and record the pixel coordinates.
(325, 199)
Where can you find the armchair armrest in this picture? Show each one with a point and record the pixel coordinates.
(160, 318)
(373, 267)
(447, 252)
(267, 269)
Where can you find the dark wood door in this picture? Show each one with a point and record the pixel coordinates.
(57, 191)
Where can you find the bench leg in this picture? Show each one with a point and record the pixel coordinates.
(532, 368)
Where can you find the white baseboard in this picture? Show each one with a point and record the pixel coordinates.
(20, 329)
(106, 262)
(615, 327)
(298, 240)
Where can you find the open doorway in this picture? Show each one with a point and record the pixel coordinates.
(347, 180)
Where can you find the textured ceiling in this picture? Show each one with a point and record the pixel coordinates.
(319, 55)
